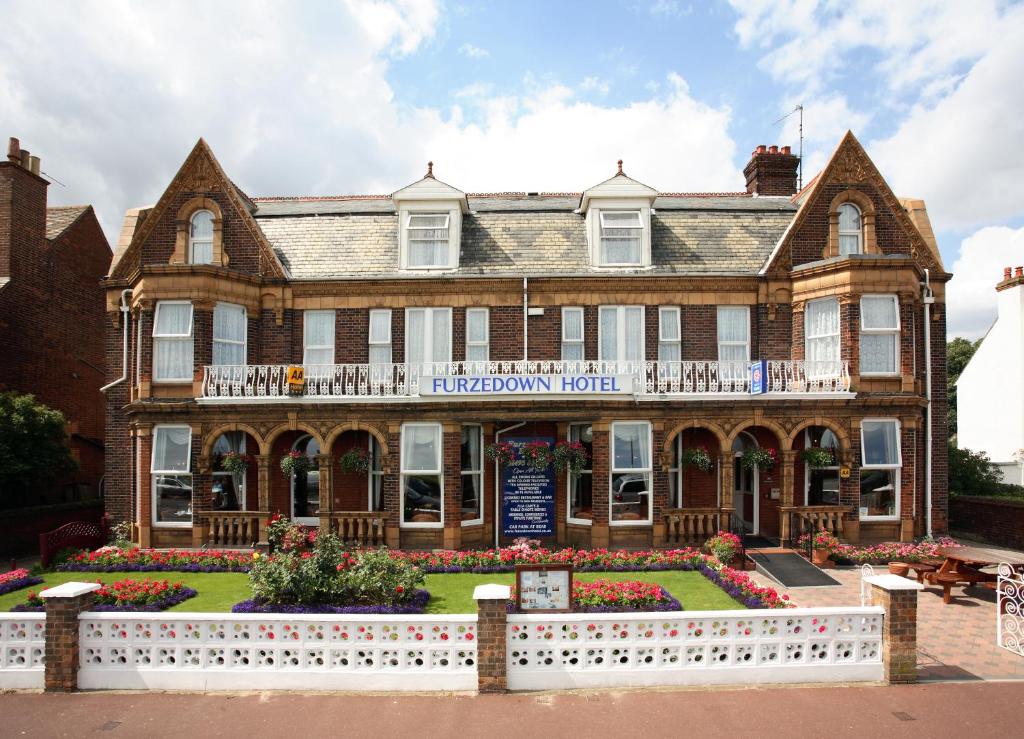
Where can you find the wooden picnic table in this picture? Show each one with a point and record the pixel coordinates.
(962, 566)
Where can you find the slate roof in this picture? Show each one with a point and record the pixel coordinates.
(59, 218)
(518, 234)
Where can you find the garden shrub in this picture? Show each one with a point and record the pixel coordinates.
(724, 546)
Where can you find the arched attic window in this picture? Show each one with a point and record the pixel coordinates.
(200, 238)
(851, 230)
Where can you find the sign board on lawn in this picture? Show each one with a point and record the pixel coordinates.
(544, 588)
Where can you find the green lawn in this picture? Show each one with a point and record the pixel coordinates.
(449, 593)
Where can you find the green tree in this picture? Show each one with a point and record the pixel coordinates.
(34, 448)
(972, 473)
(958, 353)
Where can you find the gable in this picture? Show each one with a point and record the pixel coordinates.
(200, 177)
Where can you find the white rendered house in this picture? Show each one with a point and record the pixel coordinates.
(990, 391)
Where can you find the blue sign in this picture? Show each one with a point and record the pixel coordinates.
(527, 497)
(758, 377)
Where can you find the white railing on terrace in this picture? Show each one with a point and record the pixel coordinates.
(233, 651)
(22, 645)
(563, 651)
(403, 380)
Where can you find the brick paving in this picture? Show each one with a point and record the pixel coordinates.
(954, 642)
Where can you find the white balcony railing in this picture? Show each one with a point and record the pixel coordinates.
(266, 381)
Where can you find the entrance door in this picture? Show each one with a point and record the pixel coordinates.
(745, 483)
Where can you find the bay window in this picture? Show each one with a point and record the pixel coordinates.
(881, 461)
(172, 342)
(477, 335)
(317, 338)
(581, 484)
(229, 334)
(422, 476)
(572, 335)
(472, 474)
(879, 335)
(621, 237)
(821, 343)
(630, 495)
(171, 474)
(621, 333)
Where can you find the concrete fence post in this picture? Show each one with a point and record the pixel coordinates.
(64, 603)
(492, 631)
(898, 596)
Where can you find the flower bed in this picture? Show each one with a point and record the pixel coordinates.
(114, 559)
(127, 595)
(892, 551)
(416, 604)
(609, 596)
(16, 580)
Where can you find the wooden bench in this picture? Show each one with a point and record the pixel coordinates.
(965, 577)
(921, 569)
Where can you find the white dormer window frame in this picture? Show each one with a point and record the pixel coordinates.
(617, 228)
(414, 228)
(600, 218)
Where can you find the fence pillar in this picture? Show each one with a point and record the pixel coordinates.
(898, 596)
(492, 631)
(63, 605)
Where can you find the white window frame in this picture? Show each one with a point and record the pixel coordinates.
(725, 309)
(380, 342)
(673, 311)
(486, 342)
(159, 339)
(639, 228)
(859, 233)
(428, 335)
(571, 480)
(306, 346)
(154, 474)
(407, 234)
(568, 341)
(620, 329)
(221, 473)
(304, 520)
(244, 343)
(403, 472)
(807, 467)
(478, 473)
(894, 468)
(375, 477)
(893, 332)
(649, 471)
(192, 240)
(838, 336)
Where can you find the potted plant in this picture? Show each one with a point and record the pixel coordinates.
(697, 456)
(762, 459)
(571, 456)
(536, 454)
(355, 460)
(817, 458)
(823, 543)
(503, 452)
(295, 463)
(724, 546)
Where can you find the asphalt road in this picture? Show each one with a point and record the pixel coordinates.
(966, 710)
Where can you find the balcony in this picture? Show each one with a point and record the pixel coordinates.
(518, 379)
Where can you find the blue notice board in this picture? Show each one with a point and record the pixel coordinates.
(527, 497)
(758, 377)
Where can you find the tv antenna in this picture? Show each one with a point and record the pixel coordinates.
(800, 152)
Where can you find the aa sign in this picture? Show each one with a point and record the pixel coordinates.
(296, 375)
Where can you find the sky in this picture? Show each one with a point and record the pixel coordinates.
(354, 96)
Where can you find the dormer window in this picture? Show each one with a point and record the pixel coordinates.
(621, 238)
(850, 230)
(200, 238)
(427, 237)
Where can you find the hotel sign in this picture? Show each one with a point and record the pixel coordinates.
(500, 385)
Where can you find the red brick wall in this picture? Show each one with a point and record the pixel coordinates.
(1000, 522)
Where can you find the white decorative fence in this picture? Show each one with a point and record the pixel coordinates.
(1010, 610)
(22, 645)
(220, 651)
(556, 651)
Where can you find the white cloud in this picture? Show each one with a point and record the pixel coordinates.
(669, 8)
(971, 294)
(595, 84)
(473, 52)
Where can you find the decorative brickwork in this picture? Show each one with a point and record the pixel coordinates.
(492, 648)
(63, 606)
(899, 632)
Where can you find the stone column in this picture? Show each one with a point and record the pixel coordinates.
(63, 605)
(492, 634)
(326, 462)
(451, 458)
(601, 465)
(898, 596)
(263, 482)
(725, 465)
(788, 476)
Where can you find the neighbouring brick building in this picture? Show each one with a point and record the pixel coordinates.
(678, 338)
(52, 313)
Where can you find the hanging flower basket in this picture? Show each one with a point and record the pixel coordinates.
(762, 459)
(503, 453)
(536, 454)
(570, 456)
(817, 458)
(295, 463)
(696, 456)
(355, 460)
(234, 463)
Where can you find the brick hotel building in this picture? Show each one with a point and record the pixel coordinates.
(431, 323)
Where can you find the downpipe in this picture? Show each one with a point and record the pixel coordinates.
(125, 311)
(928, 298)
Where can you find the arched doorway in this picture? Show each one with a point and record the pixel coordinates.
(305, 488)
(745, 484)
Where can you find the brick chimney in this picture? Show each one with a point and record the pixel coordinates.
(771, 171)
(1012, 277)
(22, 211)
